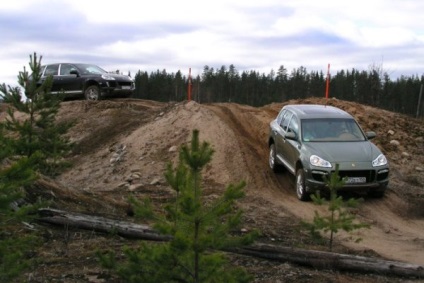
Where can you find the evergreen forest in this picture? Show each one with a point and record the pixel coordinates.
(372, 87)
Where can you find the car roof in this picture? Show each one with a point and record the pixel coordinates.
(79, 63)
(311, 111)
(70, 63)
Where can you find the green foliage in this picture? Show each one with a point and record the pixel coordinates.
(14, 247)
(15, 255)
(38, 132)
(198, 228)
(29, 145)
(339, 216)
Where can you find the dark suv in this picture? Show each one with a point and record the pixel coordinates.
(86, 81)
(309, 140)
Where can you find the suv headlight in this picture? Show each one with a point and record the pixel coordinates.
(318, 161)
(379, 161)
(107, 77)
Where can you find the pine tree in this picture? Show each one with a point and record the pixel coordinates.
(199, 229)
(28, 146)
(339, 217)
(14, 174)
(38, 131)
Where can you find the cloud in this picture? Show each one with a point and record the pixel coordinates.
(177, 35)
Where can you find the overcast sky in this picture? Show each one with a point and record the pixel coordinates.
(259, 35)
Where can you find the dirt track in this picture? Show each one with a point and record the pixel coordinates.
(122, 140)
(238, 134)
(392, 234)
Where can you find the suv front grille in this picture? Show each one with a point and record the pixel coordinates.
(112, 83)
(370, 175)
(125, 83)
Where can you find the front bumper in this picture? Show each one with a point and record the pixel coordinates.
(367, 178)
(116, 88)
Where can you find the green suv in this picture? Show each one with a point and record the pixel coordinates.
(309, 140)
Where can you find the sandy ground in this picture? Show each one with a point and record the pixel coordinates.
(123, 146)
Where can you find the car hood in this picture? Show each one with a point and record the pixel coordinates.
(117, 77)
(343, 151)
(120, 77)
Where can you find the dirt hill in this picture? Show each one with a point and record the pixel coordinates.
(123, 145)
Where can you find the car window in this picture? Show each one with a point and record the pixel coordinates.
(281, 115)
(286, 120)
(51, 70)
(294, 126)
(65, 69)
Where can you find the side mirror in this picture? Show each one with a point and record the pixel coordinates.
(370, 135)
(74, 72)
(290, 136)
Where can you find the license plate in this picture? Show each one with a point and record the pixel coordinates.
(356, 180)
(126, 87)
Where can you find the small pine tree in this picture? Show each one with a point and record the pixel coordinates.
(198, 229)
(39, 131)
(339, 217)
(13, 245)
(27, 146)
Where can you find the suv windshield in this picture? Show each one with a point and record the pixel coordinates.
(88, 69)
(331, 130)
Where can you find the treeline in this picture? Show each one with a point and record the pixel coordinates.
(372, 87)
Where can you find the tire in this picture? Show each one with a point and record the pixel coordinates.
(377, 194)
(92, 93)
(301, 186)
(275, 167)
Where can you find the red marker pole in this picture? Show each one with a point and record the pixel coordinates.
(328, 82)
(189, 85)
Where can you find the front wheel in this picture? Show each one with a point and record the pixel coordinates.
(301, 186)
(378, 193)
(92, 93)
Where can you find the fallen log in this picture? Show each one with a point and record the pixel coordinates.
(99, 224)
(310, 258)
(330, 260)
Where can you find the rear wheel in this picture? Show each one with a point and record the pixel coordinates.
(301, 186)
(92, 93)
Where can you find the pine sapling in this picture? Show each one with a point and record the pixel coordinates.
(200, 230)
(339, 216)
